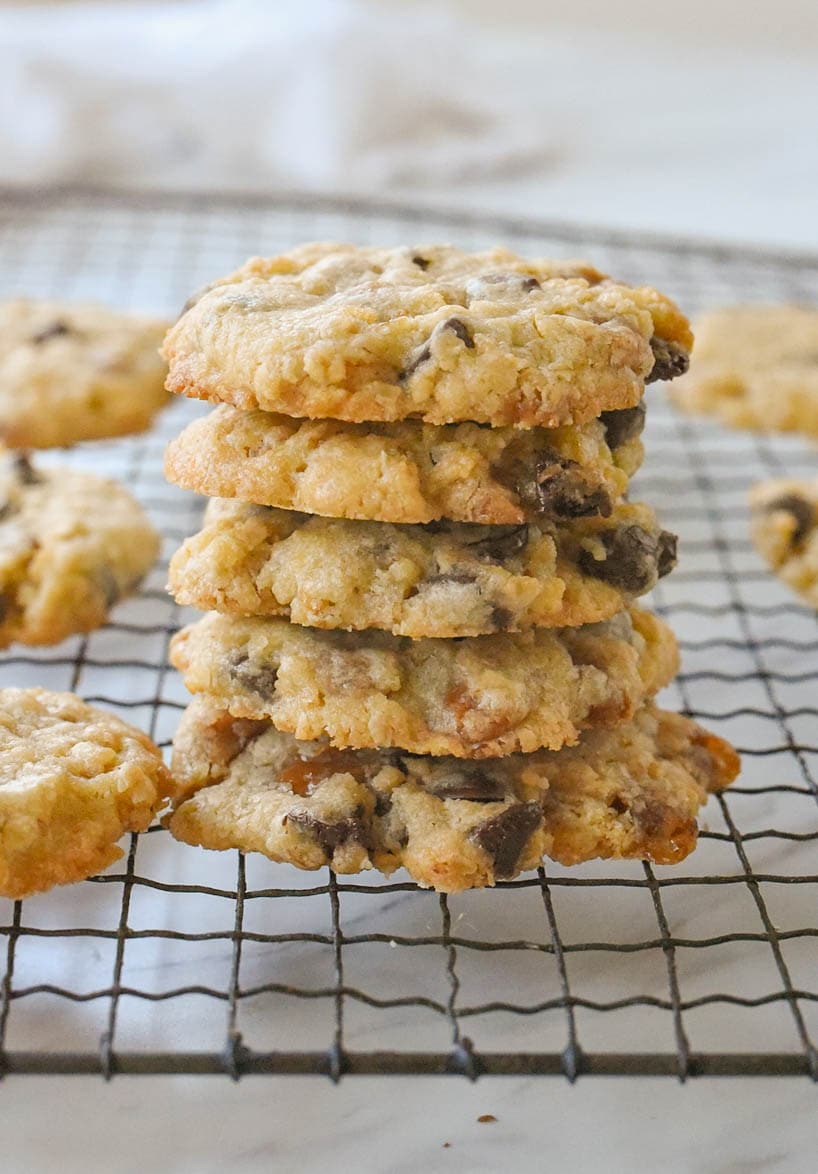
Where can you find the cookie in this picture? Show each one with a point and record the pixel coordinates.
(756, 367)
(409, 472)
(476, 698)
(73, 780)
(76, 372)
(628, 793)
(785, 532)
(71, 546)
(432, 333)
(441, 580)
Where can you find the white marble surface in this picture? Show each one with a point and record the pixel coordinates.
(401, 1124)
(303, 1126)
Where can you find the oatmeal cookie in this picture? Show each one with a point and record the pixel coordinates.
(73, 780)
(476, 698)
(440, 580)
(409, 472)
(628, 793)
(76, 372)
(756, 367)
(430, 333)
(71, 546)
(785, 532)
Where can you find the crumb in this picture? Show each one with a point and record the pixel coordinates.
(447, 1145)
(486, 1118)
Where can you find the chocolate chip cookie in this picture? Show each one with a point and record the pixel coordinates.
(410, 472)
(475, 698)
(785, 532)
(441, 580)
(71, 546)
(628, 793)
(76, 372)
(73, 780)
(756, 367)
(430, 333)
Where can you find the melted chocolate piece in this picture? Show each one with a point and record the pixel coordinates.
(505, 835)
(454, 324)
(666, 553)
(474, 783)
(459, 327)
(329, 835)
(800, 510)
(500, 618)
(502, 543)
(421, 262)
(260, 680)
(55, 329)
(630, 563)
(623, 425)
(560, 488)
(669, 360)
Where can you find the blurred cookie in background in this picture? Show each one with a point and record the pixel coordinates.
(755, 367)
(785, 532)
(76, 372)
(71, 546)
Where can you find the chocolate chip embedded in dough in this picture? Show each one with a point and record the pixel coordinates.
(458, 327)
(421, 262)
(505, 835)
(623, 424)
(666, 553)
(459, 577)
(502, 543)
(669, 360)
(330, 835)
(560, 488)
(56, 329)
(630, 560)
(258, 679)
(500, 618)
(475, 784)
(801, 512)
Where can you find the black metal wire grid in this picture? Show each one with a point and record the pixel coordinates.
(180, 961)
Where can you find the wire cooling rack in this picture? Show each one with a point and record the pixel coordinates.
(181, 961)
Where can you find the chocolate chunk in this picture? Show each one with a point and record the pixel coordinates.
(421, 357)
(459, 327)
(631, 555)
(560, 488)
(260, 679)
(421, 262)
(619, 805)
(799, 509)
(504, 836)
(330, 835)
(669, 360)
(383, 803)
(25, 472)
(55, 329)
(502, 543)
(500, 618)
(464, 781)
(623, 425)
(666, 553)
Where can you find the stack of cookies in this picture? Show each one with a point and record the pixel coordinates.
(420, 568)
